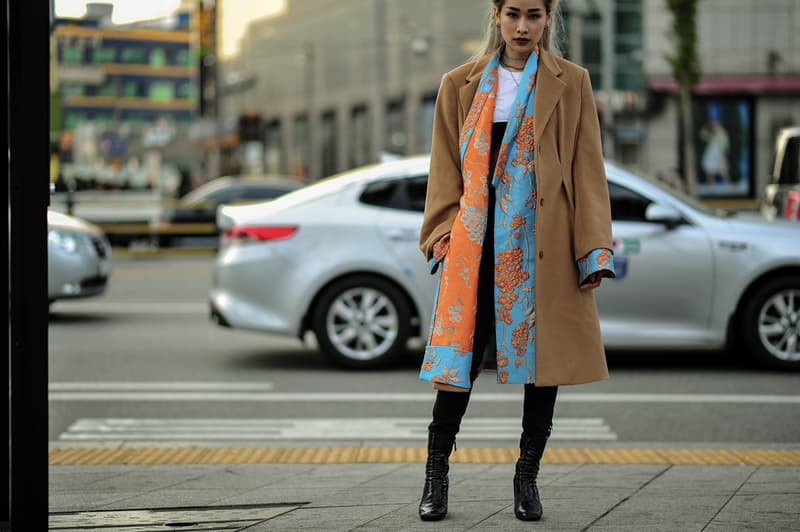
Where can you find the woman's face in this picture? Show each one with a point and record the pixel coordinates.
(522, 23)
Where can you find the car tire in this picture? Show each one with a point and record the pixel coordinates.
(165, 241)
(771, 323)
(362, 322)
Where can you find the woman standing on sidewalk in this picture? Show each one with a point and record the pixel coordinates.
(518, 218)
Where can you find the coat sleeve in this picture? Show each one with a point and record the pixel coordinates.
(445, 185)
(592, 204)
(599, 260)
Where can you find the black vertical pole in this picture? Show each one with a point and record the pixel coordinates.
(5, 449)
(29, 103)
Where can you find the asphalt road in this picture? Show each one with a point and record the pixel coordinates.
(143, 363)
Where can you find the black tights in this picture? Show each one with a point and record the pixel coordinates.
(537, 411)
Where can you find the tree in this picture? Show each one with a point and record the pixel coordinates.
(686, 71)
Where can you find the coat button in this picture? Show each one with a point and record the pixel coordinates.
(541, 202)
(541, 254)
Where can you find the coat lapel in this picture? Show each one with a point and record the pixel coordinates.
(467, 92)
(548, 91)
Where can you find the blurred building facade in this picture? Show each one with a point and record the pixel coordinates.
(314, 76)
(749, 89)
(124, 98)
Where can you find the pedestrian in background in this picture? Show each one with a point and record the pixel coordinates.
(518, 219)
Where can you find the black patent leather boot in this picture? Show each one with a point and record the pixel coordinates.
(527, 506)
(433, 506)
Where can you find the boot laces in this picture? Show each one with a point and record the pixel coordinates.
(528, 464)
(436, 466)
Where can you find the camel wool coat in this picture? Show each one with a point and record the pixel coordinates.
(573, 213)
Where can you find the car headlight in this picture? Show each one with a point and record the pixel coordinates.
(65, 241)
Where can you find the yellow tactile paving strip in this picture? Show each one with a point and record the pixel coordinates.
(363, 455)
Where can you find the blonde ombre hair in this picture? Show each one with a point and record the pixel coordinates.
(493, 39)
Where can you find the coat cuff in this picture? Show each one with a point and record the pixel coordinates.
(440, 249)
(600, 259)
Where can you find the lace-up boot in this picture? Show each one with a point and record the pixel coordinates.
(527, 506)
(433, 506)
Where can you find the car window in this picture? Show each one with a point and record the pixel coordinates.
(627, 205)
(790, 166)
(224, 195)
(384, 194)
(406, 194)
(416, 189)
(262, 192)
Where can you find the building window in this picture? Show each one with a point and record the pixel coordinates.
(104, 55)
(185, 91)
(301, 156)
(724, 138)
(584, 35)
(72, 55)
(133, 56)
(628, 44)
(73, 89)
(135, 118)
(161, 91)
(107, 89)
(131, 89)
(182, 58)
(328, 143)
(592, 48)
(396, 129)
(359, 136)
(158, 58)
(273, 150)
(104, 118)
(425, 133)
(74, 119)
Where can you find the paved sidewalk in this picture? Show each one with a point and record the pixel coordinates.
(359, 496)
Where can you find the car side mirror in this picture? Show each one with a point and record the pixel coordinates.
(663, 214)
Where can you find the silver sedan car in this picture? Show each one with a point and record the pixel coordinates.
(340, 258)
(78, 258)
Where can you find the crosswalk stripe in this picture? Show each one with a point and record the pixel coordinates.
(242, 395)
(131, 307)
(144, 387)
(106, 429)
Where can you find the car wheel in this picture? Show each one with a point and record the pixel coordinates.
(772, 323)
(362, 322)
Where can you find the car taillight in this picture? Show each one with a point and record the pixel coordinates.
(245, 234)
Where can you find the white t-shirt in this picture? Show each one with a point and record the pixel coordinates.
(507, 87)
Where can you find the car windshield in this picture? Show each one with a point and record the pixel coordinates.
(206, 191)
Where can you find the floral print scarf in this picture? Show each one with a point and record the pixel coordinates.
(448, 354)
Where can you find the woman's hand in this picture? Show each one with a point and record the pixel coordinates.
(593, 281)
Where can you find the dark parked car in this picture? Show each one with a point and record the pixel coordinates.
(195, 213)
